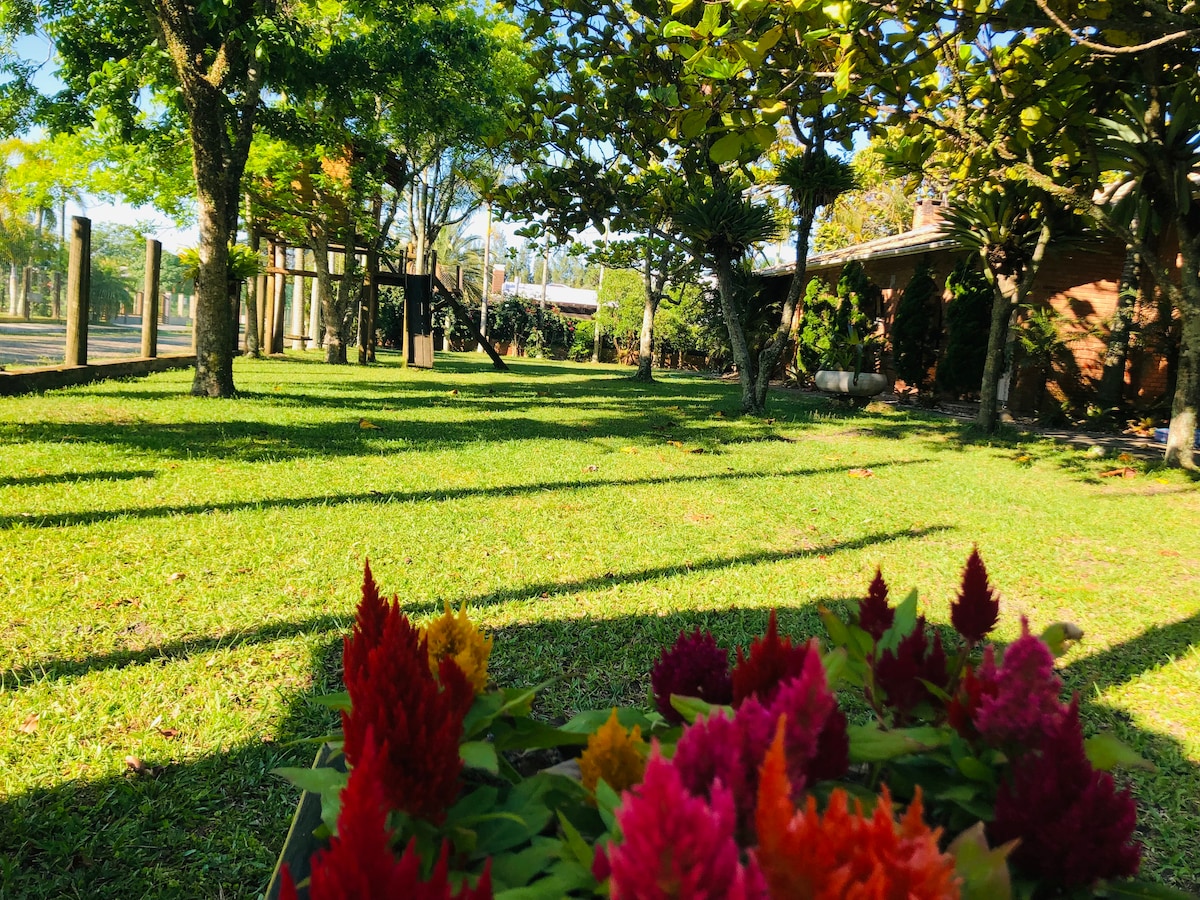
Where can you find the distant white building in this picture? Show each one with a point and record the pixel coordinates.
(571, 301)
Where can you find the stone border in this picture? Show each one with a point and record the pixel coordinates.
(29, 381)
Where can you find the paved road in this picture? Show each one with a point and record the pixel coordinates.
(43, 344)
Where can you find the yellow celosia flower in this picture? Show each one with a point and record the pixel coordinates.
(455, 637)
(614, 754)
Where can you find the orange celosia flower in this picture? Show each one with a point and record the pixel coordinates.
(455, 637)
(614, 754)
(844, 855)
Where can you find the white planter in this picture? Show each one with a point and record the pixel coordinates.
(868, 384)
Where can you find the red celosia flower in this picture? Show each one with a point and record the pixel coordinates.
(900, 674)
(393, 694)
(359, 864)
(694, 667)
(1023, 702)
(369, 618)
(1074, 826)
(844, 855)
(770, 661)
(975, 611)
(676, 845)
(874, 615)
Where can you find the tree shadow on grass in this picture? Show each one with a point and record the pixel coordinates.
(433, 495)
(74, 477)
(53, 668)
(213, 826)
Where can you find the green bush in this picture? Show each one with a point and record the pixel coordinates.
(968, 319)
(917, 329)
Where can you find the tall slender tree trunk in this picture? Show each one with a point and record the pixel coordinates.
(645, 370)
(723, 266)
(769, 357)
(1004, 303)
(1181, 435)
(214, 341)
(1116, 351)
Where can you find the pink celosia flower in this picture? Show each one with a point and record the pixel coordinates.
(1021, 702)
(1074, 826)
(717, 749)
(359, 864)
(769, 662)
(676, 845)
(694, 667)
(874, 615)
(975, 611)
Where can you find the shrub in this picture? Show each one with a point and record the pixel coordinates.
(917, 328)
(968, 320)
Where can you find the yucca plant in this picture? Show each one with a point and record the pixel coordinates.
(725, 224)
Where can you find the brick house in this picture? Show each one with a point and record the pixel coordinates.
(1079, 281)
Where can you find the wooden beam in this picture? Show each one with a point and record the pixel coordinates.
(449, 299)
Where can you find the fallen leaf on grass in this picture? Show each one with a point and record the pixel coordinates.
(1126, 458)
(168, 733)
(454, 393)
(1123, 472)
(176, 576)
(367, 426)
(629, 449)
(769, 421)
(138, 767)
(591, 468)
(29, 726)
(861, 473)
(719, 414)
(697, 450)
(1168, 552)
(697, 517)
(678, 444)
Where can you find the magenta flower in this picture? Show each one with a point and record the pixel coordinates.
(694, 667)
(1074, 826)
(717, 750)
(770, 661)
(874, 615)
(1020, 703)
(676, 845)
(975, 611)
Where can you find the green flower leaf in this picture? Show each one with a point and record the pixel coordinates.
(1107, 752)
(479, 755)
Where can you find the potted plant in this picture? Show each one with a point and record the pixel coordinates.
(834, 344)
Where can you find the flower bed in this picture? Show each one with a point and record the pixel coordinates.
(971, 779)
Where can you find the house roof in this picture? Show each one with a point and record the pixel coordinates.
(920, 240)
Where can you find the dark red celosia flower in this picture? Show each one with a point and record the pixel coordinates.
(393, 693)
(874, 615)
(770, 661)
(369, 619)
(833, 750)
(1074, 826)
(694, 667)
(977, 608)
(900, 674)
(359, 864)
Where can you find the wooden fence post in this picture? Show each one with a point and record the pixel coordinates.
(150, 298)
(26, 277)
(278, 302)
(56, 311)
(79, 284)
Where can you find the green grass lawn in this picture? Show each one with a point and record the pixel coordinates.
(176, 574)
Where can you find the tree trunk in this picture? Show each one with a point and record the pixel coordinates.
(723, 266)
(1116, 351)
(214, 356)
(1181, 435)
(769, 357)
(646, 340)
(1004, 302)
